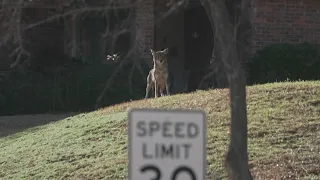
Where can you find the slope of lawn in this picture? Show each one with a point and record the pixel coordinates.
(284, 137)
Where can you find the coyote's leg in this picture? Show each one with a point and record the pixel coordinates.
(147, 90)
(161, 90)
(149, 85)
(155, 89)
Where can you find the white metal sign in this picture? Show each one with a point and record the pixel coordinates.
(167, 144)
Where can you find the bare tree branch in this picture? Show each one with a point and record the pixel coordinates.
(112, 77)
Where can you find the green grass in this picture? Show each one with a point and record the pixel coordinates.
(284, 137)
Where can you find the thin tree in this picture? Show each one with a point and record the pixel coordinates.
(232, 24)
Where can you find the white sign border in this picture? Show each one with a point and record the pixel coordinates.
(132, 110)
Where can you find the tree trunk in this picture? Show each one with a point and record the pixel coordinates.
(237, 156)
(229, 31)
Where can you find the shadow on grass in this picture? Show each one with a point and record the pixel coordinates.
(16, 123)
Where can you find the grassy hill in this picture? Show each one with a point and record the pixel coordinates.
(284, 137)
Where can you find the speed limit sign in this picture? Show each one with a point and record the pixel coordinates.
(167, 144)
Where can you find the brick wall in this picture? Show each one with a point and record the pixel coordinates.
(145, 27)
(286, 21)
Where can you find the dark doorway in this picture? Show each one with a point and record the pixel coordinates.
(198, 44)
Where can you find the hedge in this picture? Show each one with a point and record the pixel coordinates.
(280, 62)
(75, 88)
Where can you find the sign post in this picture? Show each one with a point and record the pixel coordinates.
(167, 144)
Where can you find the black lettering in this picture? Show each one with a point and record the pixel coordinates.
(166, 129)
(152, 168)
(193, 130)
(178, 128)
(186, 150)
(183, 169)
(141, 127)
(153, 127)
(167, 151)
(144, 152)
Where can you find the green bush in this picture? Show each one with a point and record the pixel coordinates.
(280, 62)
(75, 88)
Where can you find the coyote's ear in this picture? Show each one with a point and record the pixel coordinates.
(152, 52)
(166, 50)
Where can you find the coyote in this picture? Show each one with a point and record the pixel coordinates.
(158, 76)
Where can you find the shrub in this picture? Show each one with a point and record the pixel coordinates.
(74, 88)
(279, 62)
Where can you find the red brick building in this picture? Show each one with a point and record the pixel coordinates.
(290, 21)
(187, 32)
(274, 21)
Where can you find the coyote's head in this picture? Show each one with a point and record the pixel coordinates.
(160, 58)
